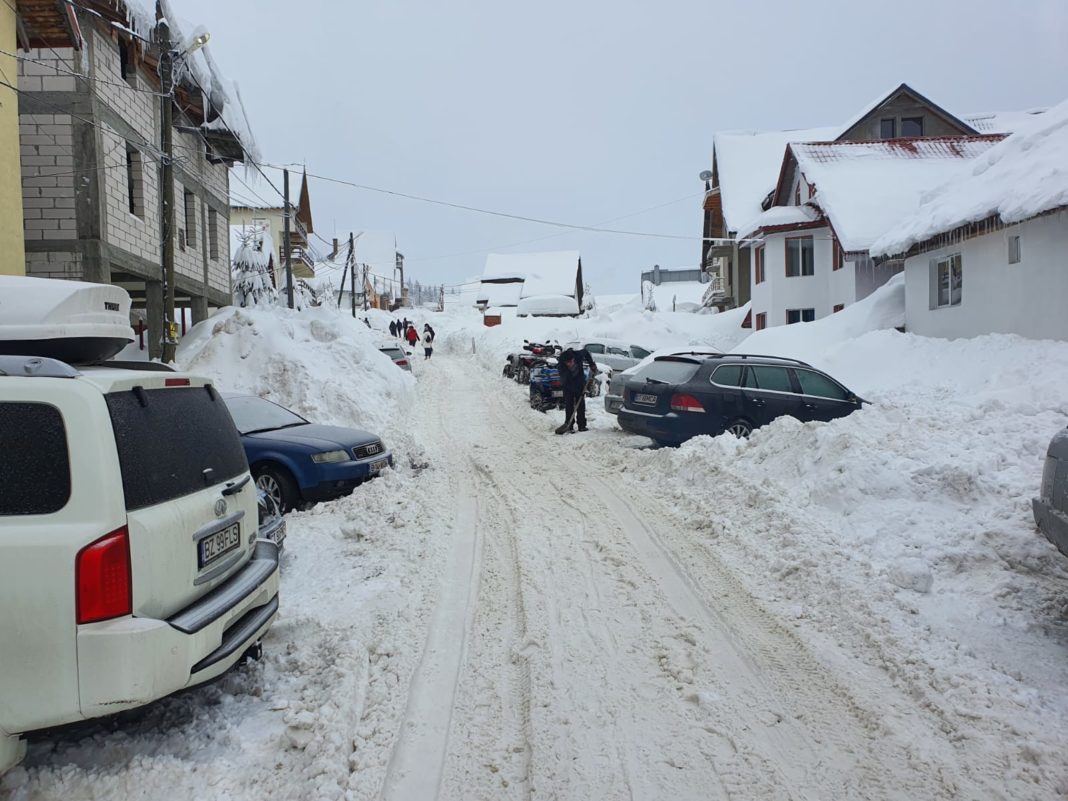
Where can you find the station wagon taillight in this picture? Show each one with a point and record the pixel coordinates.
(402, 362)
(681, 402)
(102, 578)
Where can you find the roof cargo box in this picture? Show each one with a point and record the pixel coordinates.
(73, 321)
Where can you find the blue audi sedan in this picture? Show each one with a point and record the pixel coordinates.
(298, 462)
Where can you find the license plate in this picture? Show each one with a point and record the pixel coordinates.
(558, 393)
(215, 545)
(646, 399)
(378, 467)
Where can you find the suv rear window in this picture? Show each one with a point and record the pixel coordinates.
(34, 462)
(669, 372)
(167, 444)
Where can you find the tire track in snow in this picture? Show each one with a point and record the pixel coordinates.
(788, 712)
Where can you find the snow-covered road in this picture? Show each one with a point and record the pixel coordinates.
(574, 653)
(521, 620)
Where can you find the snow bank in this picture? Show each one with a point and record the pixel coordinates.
(461, 332)
(323, 365)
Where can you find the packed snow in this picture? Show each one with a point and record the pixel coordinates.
(854, 609)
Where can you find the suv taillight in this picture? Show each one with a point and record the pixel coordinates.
(102, 578)
(402, 362)
(681, 402)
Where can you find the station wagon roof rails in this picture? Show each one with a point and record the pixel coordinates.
(769, 358)
(35, 367)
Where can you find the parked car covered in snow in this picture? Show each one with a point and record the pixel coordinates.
(1051, 506)
(679, 397)
(130, 560)
(614, 353)
(398, 355)
(296, 461)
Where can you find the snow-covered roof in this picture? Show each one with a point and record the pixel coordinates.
(747, 163)
(493, 294)
(250, 190)
(1003, 122)
(550, 273)
(1022, 176)
(547, 306)
(780, 216)
(866, 187)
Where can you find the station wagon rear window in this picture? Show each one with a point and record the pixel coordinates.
(669, 372)
(172, 443)
(34, 462)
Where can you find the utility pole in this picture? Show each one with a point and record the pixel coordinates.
(366, 300)
(352, 255)
(166, 77)
(400, 266)
(285, 242)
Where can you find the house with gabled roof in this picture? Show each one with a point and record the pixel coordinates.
(746, 166)
(984, 253)
(536, 284)
(832, 201)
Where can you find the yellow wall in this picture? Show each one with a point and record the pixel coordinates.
(12, 245)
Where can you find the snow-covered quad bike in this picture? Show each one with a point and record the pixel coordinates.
(523, 363)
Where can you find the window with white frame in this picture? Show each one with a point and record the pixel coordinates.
(948, 281)
(1014, 250)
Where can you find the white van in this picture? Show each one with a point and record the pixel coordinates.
(130, 562)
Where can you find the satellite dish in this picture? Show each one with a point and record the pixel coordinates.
(706, 175)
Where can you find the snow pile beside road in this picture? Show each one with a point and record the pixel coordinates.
(321, 364)
(903, 532)
(463, 331)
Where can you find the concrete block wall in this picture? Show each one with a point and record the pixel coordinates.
(48, 71)
(55, 264)
(136, 234)
(47, 156)
(132, 103)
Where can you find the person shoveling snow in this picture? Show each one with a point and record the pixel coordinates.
(573, 380)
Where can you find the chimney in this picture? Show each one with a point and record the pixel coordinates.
(334, 254)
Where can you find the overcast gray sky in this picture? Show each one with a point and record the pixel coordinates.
(588, 110)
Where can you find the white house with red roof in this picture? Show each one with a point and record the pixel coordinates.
(985, 252)
(793, 214)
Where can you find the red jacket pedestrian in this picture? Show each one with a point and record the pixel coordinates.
(411, 335)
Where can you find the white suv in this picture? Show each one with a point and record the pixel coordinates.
(130, 565)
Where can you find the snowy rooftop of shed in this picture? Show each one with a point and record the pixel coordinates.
(550, 273)
(866, 187)
(1023, 176)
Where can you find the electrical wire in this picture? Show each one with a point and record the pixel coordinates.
(493, 213)
(76, 74)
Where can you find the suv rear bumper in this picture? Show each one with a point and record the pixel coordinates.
(1051, 522)
(131, 661)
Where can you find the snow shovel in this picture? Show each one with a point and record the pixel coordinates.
(570, 419)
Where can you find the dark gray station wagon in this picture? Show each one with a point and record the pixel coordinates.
(679, 397)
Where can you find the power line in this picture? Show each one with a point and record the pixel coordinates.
(491, 212)
(76, 74)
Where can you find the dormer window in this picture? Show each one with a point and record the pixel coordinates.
(888, 128)
(912, 126)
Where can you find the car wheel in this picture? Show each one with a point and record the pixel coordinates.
(740, 428)
(278, 485)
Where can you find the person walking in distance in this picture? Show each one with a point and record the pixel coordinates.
(428, 342)
(392, 328)
(411, 335)
(573, 381)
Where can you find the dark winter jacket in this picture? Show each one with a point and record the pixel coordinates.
(392, 328)
(573, 378)
(427, 328)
